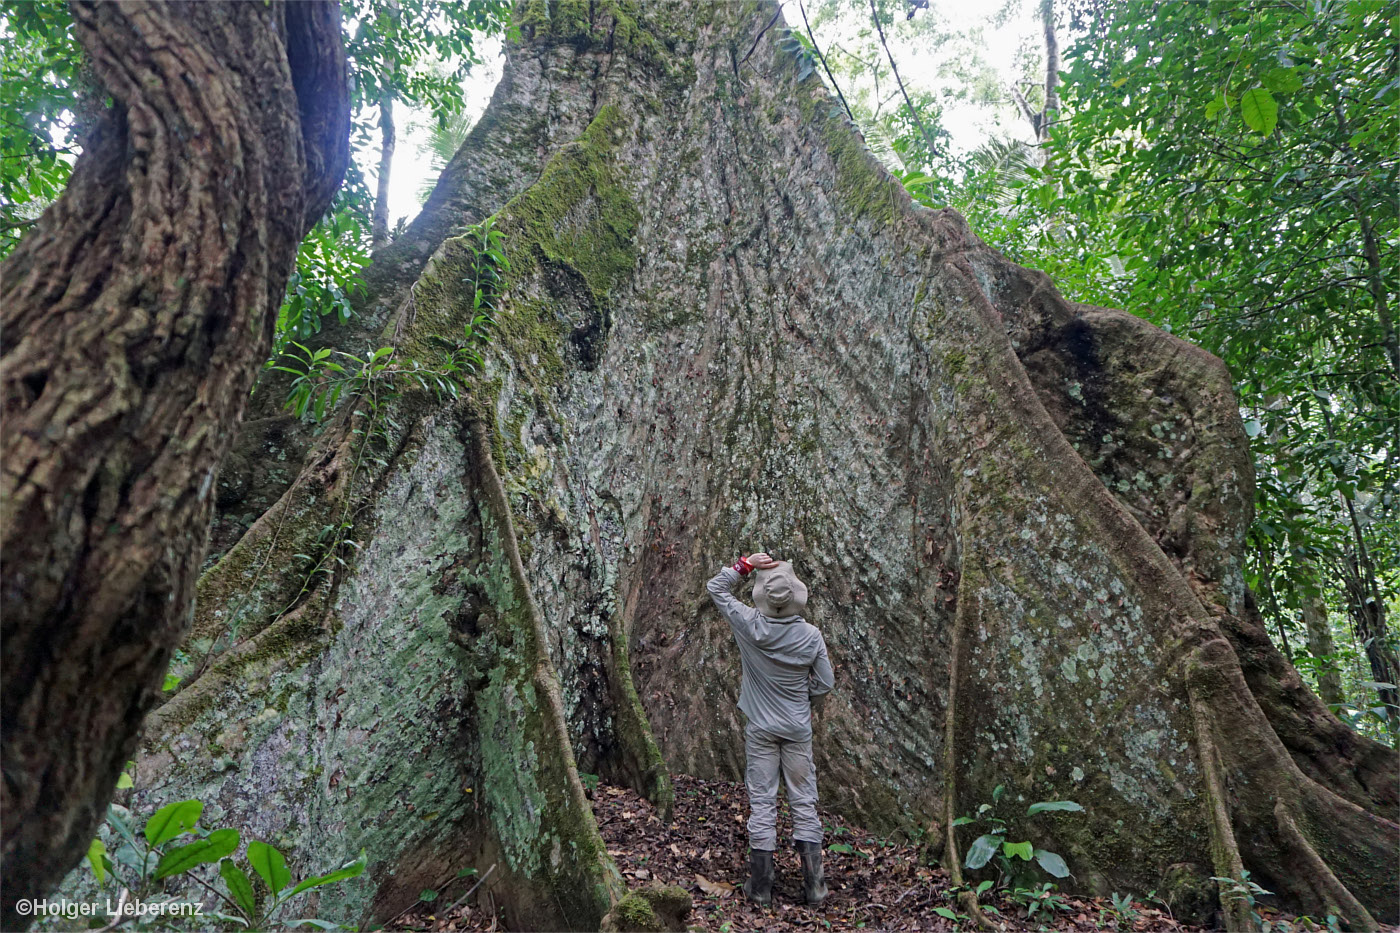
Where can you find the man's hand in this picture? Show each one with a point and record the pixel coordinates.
(761, 561)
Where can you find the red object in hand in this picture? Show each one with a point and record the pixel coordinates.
(743, 566)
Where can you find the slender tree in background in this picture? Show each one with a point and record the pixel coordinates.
(136, 314)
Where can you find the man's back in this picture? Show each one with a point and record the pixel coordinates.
(785, 663)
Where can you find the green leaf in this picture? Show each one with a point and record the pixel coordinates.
(216, 845)
(1044, 805)
(319, 924)
(1052, 863)
(120, 821)
(172, 820)
(1283, 80)
(982, 850)
(124, 781)
(945, 912)
(963, 821)
(996, 794)
(1013, 849)
(1259, 110)
(269, 865)
(840, 847)
(239, 887)
(348, 870)
(97, 851)
(230, 918)
(982, 888)
(428, 895)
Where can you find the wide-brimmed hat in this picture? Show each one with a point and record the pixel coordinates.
(778, 593)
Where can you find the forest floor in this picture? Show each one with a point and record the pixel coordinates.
(875, 883)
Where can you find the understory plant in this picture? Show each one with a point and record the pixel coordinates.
(172, 846)
(994, 844)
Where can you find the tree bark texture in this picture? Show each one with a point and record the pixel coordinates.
(380, 223)
(726, 328)
(1320, 644)
(135, 317)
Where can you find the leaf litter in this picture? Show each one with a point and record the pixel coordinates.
(876, 883)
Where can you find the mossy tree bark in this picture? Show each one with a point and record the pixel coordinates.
(725, 329)
(135, 317)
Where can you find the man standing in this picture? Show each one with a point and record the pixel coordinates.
(785, 665)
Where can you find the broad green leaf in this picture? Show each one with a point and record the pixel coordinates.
(97, 851)
(239, 887)
(840, 847)
(171, 820)
(963, 821)
(1014, 849)
(124, 781)
(269, 865)
(945, 913)
(1259, 110)
(1052, 863)
(982, 850)
(996, 794)
(1044, 805)
(216, 845)
(982, 888)
(428, 895)
(1283, 80)
(348, 870)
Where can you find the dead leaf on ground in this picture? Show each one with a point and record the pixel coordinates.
(715, 888)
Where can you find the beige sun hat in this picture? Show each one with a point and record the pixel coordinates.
(778, 593)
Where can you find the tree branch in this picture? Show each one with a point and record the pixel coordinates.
(816, 48)
(913, 111)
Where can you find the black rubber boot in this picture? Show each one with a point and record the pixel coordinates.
(759, 887)
(813, 883)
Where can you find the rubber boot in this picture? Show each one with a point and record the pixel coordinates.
(813, 883)
(759, 887)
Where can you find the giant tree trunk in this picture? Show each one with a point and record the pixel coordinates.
(725, 329)
(135, 318)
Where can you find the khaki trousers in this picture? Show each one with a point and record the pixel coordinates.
(766, 755)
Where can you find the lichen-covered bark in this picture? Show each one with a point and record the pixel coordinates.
(726, 328)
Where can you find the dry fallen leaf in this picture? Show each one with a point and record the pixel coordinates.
(675, 851)
(715, 888)
(641, 874)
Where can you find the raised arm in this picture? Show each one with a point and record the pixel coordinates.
(720, 588)
(822, 678)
